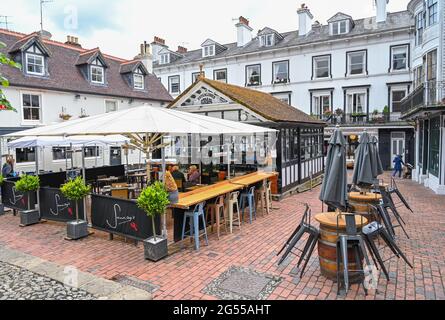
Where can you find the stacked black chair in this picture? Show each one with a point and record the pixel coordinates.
(395, 190)
(373, 231)
(387, 203)
(352, 239)
(313, 233)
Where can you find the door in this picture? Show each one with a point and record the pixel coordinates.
(115, 156)
(397, 146)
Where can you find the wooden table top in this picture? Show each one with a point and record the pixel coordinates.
(329, 219)
(253, 178)
(108, 179)
(369, 196)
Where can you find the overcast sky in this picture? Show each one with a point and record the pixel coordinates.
(119, 26)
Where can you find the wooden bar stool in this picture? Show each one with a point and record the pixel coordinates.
(261, 196)
(217, 210)
(233, 202)
(268, 196)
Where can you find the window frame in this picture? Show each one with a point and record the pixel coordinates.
(420, 29)
(84, 149)
(287, 62)
(220, 70)
(391, 57)
(314, 66)
(365, 63)
(61, 159)
(206, 52)
(338, 26)
(320, 95)
(98, 68)
(170, 78)
(195, 75)
(432, 5)
(356, 91)
(164, 58)
(391, 96)
(26, 162)
(280, 95)
(27, 55)
(264, 40)
(248, 83)
(30, 93)
(114, 101)
(135, 75)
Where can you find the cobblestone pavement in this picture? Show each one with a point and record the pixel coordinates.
(187, 273)
(20, 284)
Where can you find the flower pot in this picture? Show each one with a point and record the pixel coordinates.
(29, 217)
(155, 250)
(76, 230)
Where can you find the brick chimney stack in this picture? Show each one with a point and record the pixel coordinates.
(157, 45)
(73, 41)
(182, 50)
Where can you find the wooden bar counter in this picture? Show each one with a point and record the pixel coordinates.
(327, 244)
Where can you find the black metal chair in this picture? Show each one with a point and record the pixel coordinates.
(395, 190)
(305, 227)
(387, 203)
(373, 231)
(352, 239)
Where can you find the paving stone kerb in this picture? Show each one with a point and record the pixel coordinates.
(101, 288)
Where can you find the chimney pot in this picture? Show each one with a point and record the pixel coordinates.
(243, 20)
(182, 49)
(159, 40)
(72, 41)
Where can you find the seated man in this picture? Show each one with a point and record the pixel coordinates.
(194, 175)
(178, 175)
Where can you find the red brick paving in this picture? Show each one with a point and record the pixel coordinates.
(183, 275)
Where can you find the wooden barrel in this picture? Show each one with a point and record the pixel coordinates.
(327, 247)
(361, 204)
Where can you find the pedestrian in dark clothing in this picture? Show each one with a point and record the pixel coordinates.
(398, 166)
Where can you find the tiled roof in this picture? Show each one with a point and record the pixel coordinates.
(65, 75)
(263, 104)
(367, 26)
(131, 66)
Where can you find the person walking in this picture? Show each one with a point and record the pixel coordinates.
(398, 163)
(8, 168)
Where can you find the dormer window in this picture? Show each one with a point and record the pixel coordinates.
(138, 80)
(165, 58)
(267, 40)
(339, 27)
(35, 64)
(208, 51)
(97, 72)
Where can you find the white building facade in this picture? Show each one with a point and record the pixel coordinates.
(62, 81)
(348, 72)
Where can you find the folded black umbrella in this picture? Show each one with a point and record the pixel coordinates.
(364, 176)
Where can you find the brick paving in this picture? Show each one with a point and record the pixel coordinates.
(185, 274)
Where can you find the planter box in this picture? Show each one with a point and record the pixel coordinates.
(76, 230)
(155, 251)
(29, 217)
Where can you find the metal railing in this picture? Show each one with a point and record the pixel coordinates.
(362, 119)
(428, 94)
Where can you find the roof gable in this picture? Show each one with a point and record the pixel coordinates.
(339, 16)
(27, 42)
(267, 30)
(132, 66)
(90, 56)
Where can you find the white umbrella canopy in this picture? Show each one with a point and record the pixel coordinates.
(142, 120)
(44, 141)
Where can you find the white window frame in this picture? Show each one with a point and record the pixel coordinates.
(350, 95)
(274, 65)
(215, 72)
(32, 93)
(284, 97)
(170, 82)
(349, 54)
(339, 24)
(208, 51)
(27, 55)
(435, 5)
(93, 157)
(406, 47)
(420, 29)
(165, 58)
(102, 69)
(142, 81)
(114, 101)
(59, 160)
(267, 40)
(393, 89)
(317, 98)
(318, 59)
(248, 83)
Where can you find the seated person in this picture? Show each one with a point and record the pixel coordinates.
(178, 175)
(171, 187)
(194, 175)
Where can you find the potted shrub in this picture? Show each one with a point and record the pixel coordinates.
(76, 190)
(153, 201)
(2, 207)
(28, 185)
(386, 113)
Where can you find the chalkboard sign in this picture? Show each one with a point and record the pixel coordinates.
(55, 207)
(121, 217)
(14, 199)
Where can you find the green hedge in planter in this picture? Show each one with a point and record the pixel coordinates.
(153, 201)
(28, 184)
(75, 190)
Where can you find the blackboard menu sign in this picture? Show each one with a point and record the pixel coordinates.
(14, 199)
(55, 207)
(121, 217)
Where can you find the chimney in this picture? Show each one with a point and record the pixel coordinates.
(146, 57)
(244, 32)
(73, 41)
(157, 45)
(304, 20)
(182, 50)
(316, 27)
(381, 10)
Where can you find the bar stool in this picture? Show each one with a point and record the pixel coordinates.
(216, 210)
(233, 202)
(248, 199)
(269, 196)
(193, 217)
(261, 196)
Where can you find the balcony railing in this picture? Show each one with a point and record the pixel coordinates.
(361, 119)
(428, 94)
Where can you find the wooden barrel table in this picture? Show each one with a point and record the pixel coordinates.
(327, 244)
(361, 203)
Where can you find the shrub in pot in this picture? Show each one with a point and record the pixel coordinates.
(153, 200)
(76, 190)
(2, 207)
(27, 185)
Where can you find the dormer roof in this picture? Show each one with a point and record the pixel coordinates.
(267, 30)
(166, 50)
(28, 41)
(132, 66)
(340, 16)
(90, 56)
